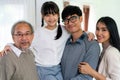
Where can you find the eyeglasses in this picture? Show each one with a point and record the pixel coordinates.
(21, 35)
(72, 19)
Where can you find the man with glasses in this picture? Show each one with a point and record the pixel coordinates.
(19, 63)
(78, 48)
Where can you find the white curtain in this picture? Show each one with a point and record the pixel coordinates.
(12, 11)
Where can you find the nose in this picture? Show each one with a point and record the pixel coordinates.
(51, 16)
(24, 37)
(98, 32)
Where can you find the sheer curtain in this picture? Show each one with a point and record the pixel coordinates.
(12, 11)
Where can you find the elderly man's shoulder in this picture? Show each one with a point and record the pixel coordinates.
(7, 56)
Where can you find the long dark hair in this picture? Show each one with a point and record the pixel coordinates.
(112, 28)
(51, 8)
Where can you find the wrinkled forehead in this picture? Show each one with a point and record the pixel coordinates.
(22, 28)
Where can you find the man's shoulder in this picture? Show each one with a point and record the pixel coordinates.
(9, 55)
(93, 43)
(90, 42)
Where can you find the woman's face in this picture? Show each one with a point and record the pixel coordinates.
(102, 33)
(51, 19)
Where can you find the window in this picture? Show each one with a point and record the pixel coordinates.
(12, 11)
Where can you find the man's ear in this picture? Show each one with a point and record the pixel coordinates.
(81, 18)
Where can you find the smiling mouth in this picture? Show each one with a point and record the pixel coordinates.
(51, 21)
(24, 43)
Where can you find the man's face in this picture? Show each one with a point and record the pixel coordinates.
(22, 36)
(73, 23)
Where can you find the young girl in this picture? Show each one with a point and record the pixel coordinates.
(49, 42)
(109, 63)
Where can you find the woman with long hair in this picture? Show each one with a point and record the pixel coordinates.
(109, 62)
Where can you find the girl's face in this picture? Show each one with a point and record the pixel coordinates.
(51, 19)
(102, 33)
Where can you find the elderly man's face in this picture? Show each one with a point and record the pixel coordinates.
(22, 36)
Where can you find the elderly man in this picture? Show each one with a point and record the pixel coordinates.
(19, 63)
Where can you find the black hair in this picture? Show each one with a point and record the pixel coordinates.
(112, 28)
(70, 10)
(50, 7)
(21, 22)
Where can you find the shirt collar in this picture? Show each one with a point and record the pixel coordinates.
(15, 50)
(78, 40)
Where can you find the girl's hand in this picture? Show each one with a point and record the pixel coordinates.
(91, 36)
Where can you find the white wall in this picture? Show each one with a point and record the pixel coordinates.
(12, 11)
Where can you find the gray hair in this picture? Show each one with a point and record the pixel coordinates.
(19, 22)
